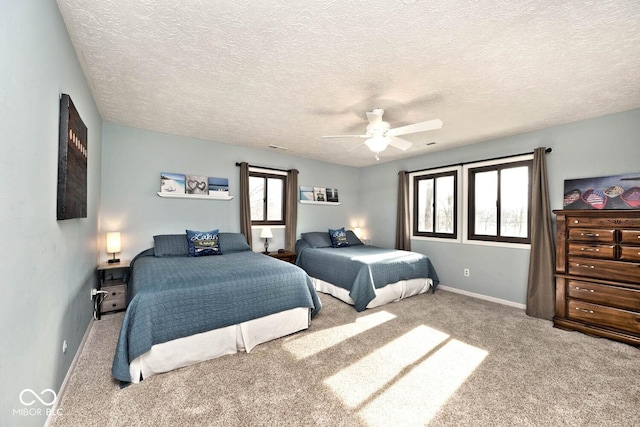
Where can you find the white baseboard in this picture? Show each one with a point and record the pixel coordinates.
(484, 297)
(63, 386)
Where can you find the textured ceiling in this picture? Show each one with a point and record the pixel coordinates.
(255, 73)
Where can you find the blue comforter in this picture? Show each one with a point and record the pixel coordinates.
(361, 269)
(174, 297)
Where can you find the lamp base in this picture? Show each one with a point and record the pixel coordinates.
(266, 252)
(113, 260)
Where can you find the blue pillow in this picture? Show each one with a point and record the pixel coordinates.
(339, 238)
(353, 239)
(203, 243)
(317, 239)
(170, 245)
(233, 242)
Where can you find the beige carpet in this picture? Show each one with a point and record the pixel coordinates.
(440, 359)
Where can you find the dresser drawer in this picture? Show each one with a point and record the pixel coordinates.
(115, 299)
(624, 320)
(630, 253)
(630, 236)
(593, 251)
(605, 269)
(592, 235)
(617, 220)
(604, 294)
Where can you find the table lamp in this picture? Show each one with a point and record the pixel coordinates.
(113, 245)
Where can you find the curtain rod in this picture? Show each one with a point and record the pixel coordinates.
(264, 167)
(547, 151)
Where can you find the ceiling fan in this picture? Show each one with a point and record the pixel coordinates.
(379, 134)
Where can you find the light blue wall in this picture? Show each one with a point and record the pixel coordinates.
(133, 160)
(608, 145)
(48, 266)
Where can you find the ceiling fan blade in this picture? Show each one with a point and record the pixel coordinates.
(375, 117)
(401, 144)
(345, 136)
(416, 127)
(353, 148)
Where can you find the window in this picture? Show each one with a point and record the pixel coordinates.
(498, 202)
(435, 205)
(267, 198)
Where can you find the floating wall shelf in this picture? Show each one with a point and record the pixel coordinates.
(193, 196)
(313, 202)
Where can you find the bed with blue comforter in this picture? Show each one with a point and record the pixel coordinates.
(175, 295)
(360, 269)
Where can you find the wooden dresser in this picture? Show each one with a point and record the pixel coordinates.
(598, 273)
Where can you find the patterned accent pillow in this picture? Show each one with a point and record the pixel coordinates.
(203, 243)
(170, 245)
(339, 238)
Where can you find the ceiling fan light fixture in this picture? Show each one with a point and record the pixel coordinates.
(378, 143)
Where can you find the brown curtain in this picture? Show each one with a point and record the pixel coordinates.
(403, 228)
(541, 294)
(291, 211)
(245, 205)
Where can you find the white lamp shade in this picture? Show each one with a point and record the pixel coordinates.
(266, 233)
(113, 242)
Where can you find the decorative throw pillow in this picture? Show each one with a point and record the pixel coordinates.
(317, 239)
(170, 245)
(202, 243)
(338, 238)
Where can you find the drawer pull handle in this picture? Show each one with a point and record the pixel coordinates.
(590, 249)
(585, 265)
(583, 289)
(590, 234)
(575, 221)
(584, 310)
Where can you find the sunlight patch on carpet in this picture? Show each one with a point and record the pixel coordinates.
(416, 397)
(361, 380)
(312, 343)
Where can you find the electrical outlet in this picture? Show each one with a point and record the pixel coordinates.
(94, 292)
(466, 272)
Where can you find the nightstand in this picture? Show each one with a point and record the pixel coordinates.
(110, 276)
(284, 256)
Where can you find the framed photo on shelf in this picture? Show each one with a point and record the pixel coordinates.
(306, 193)
(172, 183)
(319, 194)
(196, 184)
(332, 194)
(218, 186)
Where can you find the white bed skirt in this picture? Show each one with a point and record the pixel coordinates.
(197, 348)
(389, 293)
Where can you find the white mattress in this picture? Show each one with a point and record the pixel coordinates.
(389, 293)
(197, 348)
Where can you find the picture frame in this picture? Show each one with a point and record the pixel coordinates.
(605, 192)
(72, 162)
